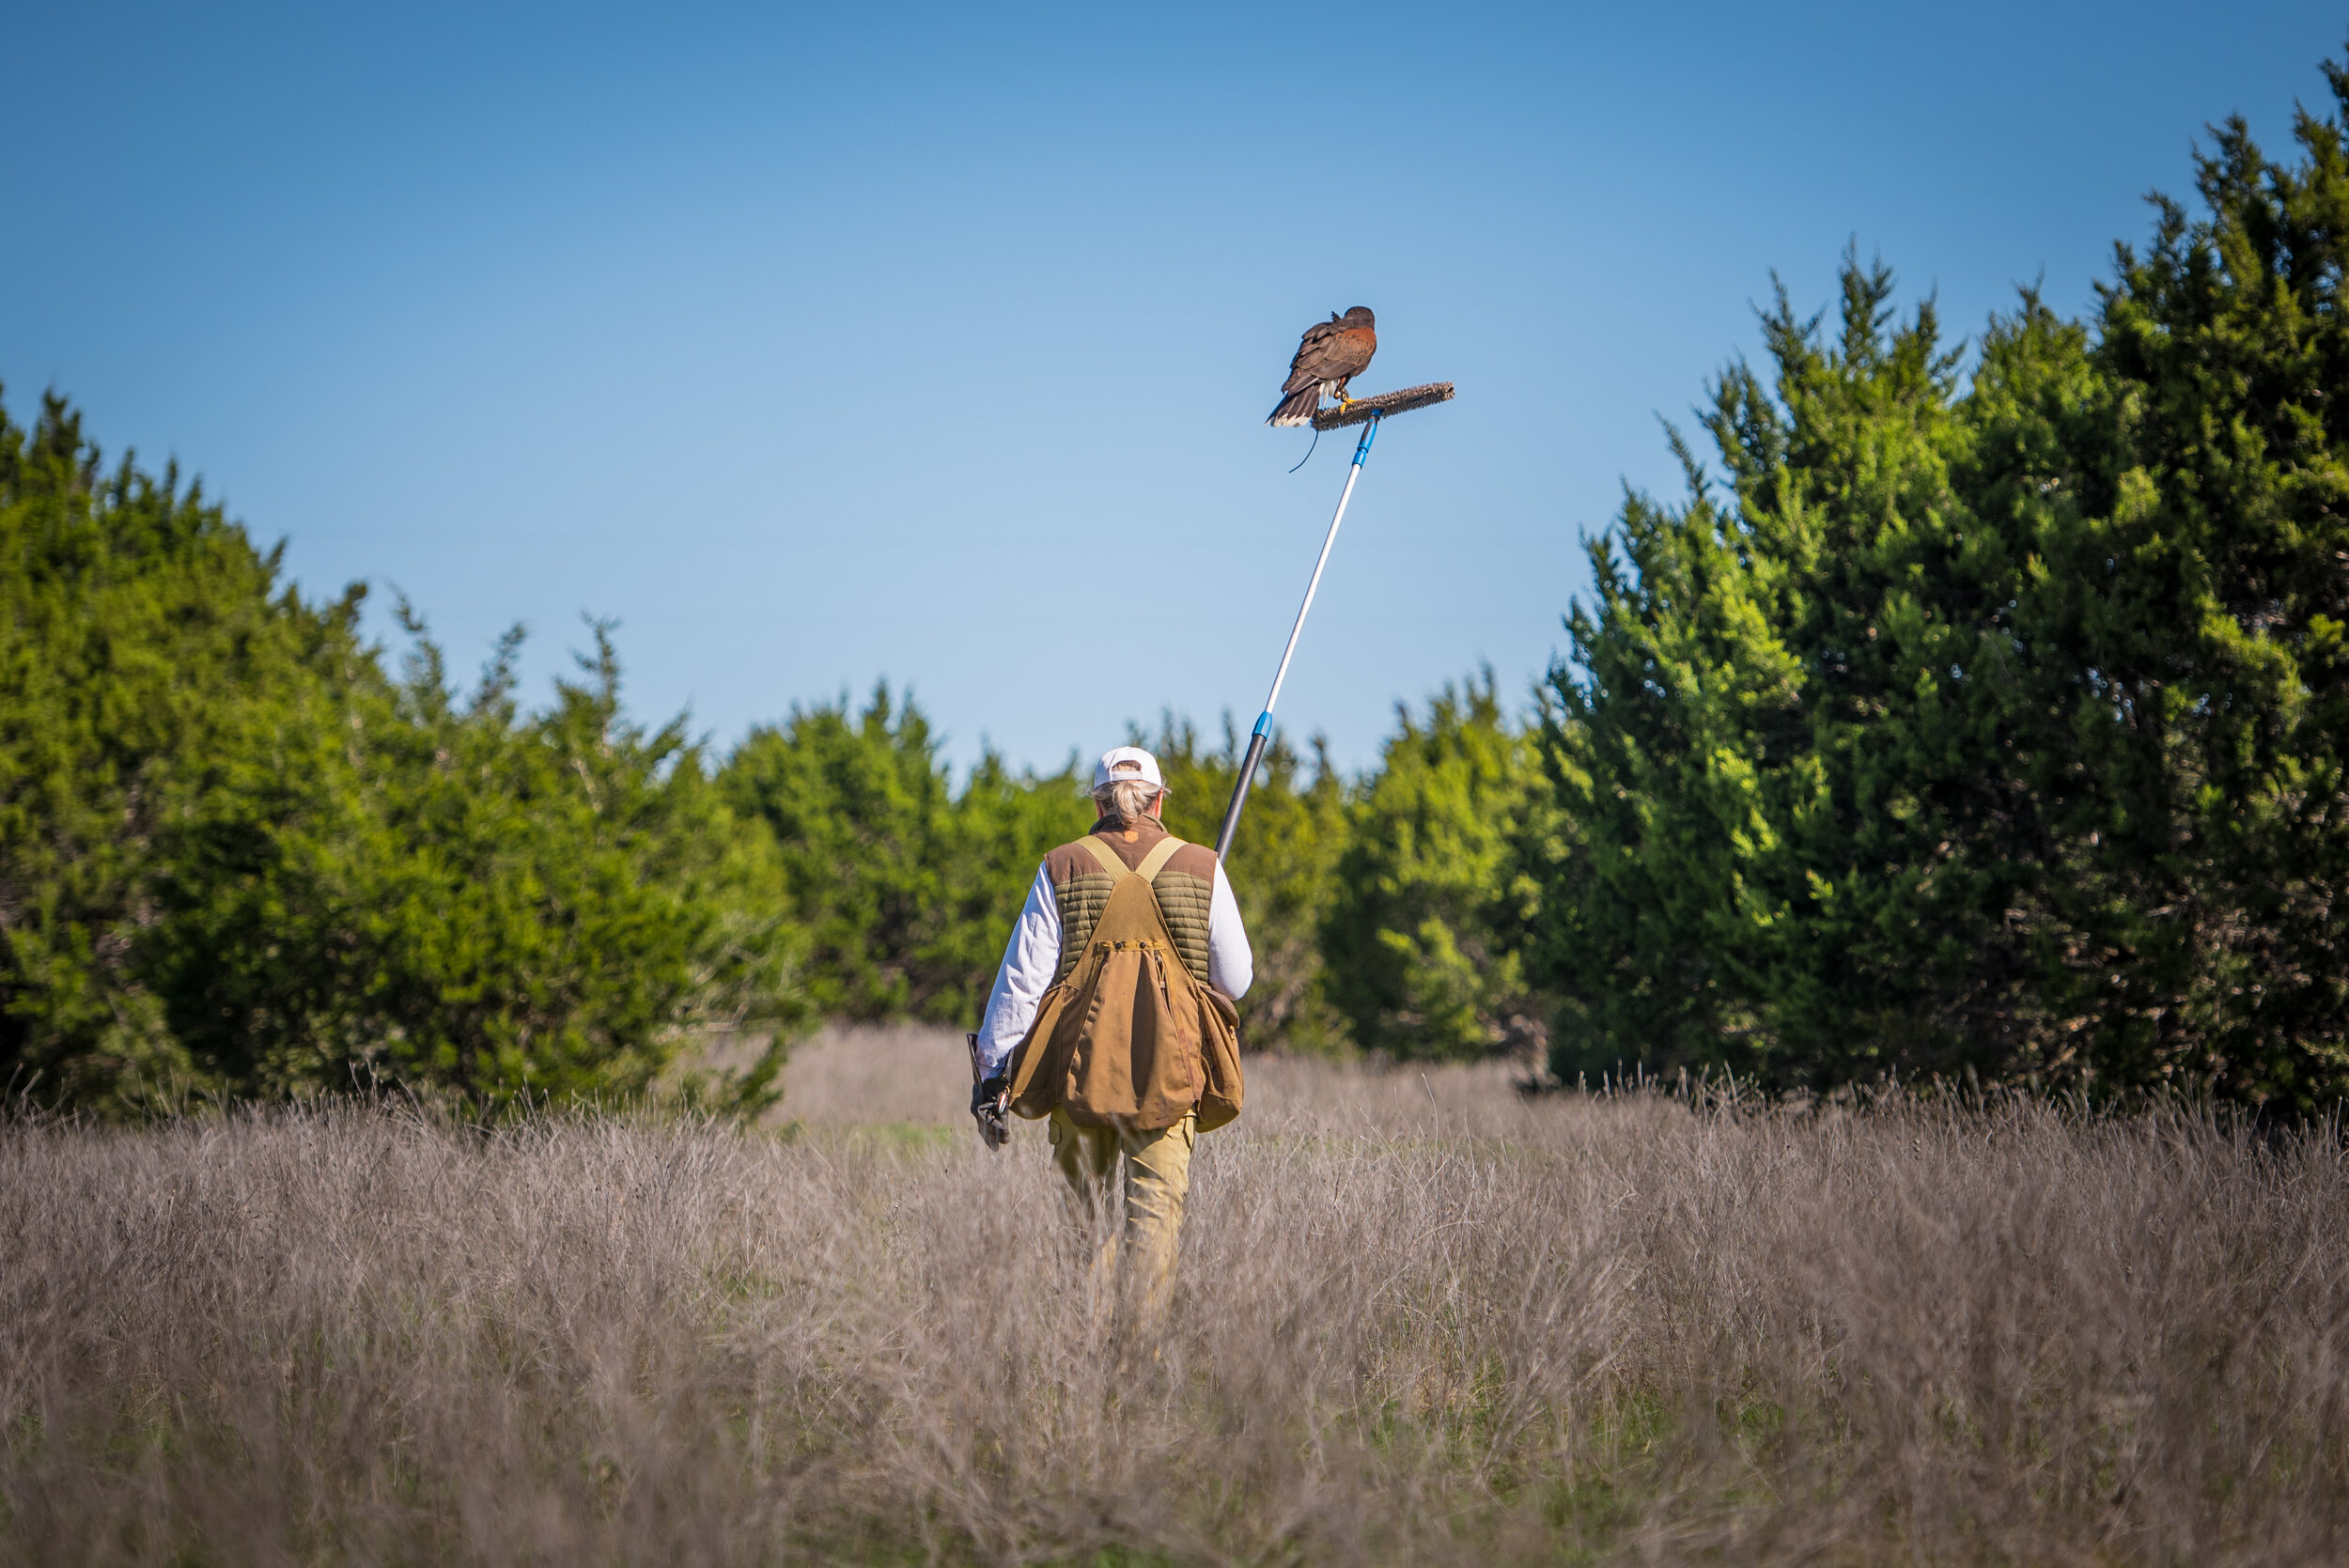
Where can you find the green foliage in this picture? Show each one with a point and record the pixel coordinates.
(1995, 729)
(236, 858)
(476, 899)
(139, 645)
(906, 890)
(1428, 903)
(1756, 754)
(1282, 868)
(2231, 530)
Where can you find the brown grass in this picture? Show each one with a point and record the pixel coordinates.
(1419, 1320)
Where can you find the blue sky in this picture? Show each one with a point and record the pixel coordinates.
(934, 343)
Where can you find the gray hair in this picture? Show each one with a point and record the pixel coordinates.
(1123, 800)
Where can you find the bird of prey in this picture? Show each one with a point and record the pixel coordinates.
(1333, 353)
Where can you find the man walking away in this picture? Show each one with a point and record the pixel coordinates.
(1129, 1048)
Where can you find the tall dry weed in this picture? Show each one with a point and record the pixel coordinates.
(1418, 1320)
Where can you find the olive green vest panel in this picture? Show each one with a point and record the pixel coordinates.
(1081, 899)
(1183, 901)
(1080, 889)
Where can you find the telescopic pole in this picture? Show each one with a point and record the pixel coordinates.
(1263, 732)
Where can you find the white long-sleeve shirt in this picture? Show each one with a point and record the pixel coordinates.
(1032, 957)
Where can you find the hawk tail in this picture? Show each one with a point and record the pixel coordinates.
(1298, 408)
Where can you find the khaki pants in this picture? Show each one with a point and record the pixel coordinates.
(1155, 1172)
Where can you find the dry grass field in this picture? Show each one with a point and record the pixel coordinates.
(1419, 1320)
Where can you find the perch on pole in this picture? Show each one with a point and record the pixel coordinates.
(1367, 413)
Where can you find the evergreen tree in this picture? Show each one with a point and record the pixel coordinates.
(236, 857)
(1003, 825)
(1993, 730)
(142, 641)
(1429, 903)
(907, 891)
(2229, 547)
(463, 896)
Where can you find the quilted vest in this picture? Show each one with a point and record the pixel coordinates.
(1129, 1036)
(1184, 886)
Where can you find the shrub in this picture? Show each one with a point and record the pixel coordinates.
(906, 890)
(1993, 728)
(236, 857)
(1428, 902)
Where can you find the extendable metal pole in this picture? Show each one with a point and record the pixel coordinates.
(1263, 732)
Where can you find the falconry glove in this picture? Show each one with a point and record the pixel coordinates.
(988, 1098)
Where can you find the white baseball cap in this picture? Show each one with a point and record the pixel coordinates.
(1122, 763)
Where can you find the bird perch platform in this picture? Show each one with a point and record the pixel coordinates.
(1362, 411)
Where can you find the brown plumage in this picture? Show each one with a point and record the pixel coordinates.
(1333, 353)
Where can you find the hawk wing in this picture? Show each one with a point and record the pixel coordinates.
(1312, 350)
(1329, 351)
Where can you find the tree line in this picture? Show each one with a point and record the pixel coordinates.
(1976, 714)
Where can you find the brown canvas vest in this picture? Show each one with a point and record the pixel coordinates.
(1184, 886)
(1129, 1035)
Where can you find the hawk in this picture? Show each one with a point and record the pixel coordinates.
(1333, 353)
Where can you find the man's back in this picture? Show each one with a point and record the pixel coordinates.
(1185, 889)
